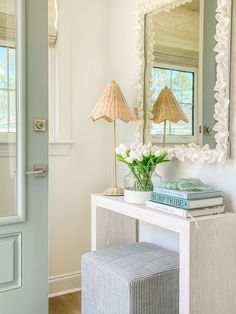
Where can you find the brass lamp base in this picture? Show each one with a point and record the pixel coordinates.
(114, 192)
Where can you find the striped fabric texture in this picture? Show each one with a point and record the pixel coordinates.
(140, 278)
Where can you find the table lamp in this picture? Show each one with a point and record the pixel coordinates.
(111, 107)
(166, 108)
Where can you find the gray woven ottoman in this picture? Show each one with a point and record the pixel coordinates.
(133, 279)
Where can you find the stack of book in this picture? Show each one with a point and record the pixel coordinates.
(187, 204)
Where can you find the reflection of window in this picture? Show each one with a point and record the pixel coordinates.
(7, 90)
(182, 83)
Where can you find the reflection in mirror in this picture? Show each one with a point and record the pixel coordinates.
(179, 54)
(7, 108)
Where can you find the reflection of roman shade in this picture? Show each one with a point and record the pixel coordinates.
(176, 35)
(166, 55)
(8, 22)
(52, 22)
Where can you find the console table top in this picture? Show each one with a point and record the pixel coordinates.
(149, 215)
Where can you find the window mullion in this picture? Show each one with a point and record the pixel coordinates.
(8, 92)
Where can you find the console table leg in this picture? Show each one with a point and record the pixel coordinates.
(213, 266)
(111, 229)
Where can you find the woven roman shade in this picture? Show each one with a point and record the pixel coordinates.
(52, 22)
(7, 23)
(7, 29)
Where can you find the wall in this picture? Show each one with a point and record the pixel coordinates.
(74, 177)
(103, 48)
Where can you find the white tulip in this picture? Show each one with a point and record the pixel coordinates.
(154, 149)
(117, 150)
(134, 154)
(139, 148)
(133, 146)
(129, 160)
(158, 152)
(139, 157)
(122, 150)
(123, 147)
(146, 151)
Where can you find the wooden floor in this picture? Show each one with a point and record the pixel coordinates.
(66, 304)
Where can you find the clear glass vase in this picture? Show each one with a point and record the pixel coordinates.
(139, 184)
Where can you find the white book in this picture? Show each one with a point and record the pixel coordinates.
(186, 213)
(188, 195)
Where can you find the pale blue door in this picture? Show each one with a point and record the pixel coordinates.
(23, 144)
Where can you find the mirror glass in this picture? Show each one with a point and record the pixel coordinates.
(7, 107)
(179, 55)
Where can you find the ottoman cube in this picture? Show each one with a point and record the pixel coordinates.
(140, 278)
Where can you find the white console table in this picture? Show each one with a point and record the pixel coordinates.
(207, 255)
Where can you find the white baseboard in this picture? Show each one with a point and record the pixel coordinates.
(64, 284)
(58, 294)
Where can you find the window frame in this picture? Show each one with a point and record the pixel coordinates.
(60, 107)
(183, 139)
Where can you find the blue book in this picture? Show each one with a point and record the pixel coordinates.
(184, 212)
(189, 195)
(184, 203)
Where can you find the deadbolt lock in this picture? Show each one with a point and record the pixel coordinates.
(40, 125)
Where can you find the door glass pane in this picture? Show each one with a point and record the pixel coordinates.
(7, 108)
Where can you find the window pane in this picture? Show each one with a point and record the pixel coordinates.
(3, 67)
(7, 87)
(12, 111)
(177, 85)
(12, 69)
(178, 95)
(161, 78)
(188, 97)
(3, 111)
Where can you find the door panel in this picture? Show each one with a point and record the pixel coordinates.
(10, 262)
(24, 234)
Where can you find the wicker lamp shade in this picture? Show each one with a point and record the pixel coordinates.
(166, 107)
(112, 105)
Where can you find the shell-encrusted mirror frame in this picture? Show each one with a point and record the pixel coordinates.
(191, 152)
